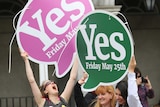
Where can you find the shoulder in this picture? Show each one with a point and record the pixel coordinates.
(43, 102)
(63, 100)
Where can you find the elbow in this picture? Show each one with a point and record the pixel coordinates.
(32, 80)
(133, 97)
(73, 78)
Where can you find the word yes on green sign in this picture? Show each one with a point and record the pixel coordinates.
(104, 47)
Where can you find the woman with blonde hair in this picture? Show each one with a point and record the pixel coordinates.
(105, 96)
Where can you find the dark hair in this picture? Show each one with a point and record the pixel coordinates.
(42, 91)
(123, 88)
(137, 71)
(159, 102)
(42, 88)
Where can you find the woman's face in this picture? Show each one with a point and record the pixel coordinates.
(50, 87)
(139, 79)
(119, 98)
(104, 99)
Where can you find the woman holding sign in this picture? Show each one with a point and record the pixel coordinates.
(127, 93)
(48, 95)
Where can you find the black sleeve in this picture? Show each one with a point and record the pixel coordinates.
(90, 97)
(78, 95)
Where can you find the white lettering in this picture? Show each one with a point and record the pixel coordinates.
(56, 48)
(40, 34)
(87, 41)
(117, 46)
(93, 65)
(73, 6)
(104, 43)
(98, 46)
(106, 66)
(52, 24)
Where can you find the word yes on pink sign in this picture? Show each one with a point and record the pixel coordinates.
(46, 29)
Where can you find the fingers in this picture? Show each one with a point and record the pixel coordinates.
(20, 50)
(85, 75)
(132, 64)
(83, 78)
(147, 77)
(133, 60)
(23, 54)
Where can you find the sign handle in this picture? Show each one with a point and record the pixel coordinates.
(43, 72)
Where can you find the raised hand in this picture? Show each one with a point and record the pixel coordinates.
(132, 64)
(83, 78)
(23, 54)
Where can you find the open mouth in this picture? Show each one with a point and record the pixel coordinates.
(54, 87)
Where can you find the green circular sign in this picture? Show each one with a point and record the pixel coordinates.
(104, 47)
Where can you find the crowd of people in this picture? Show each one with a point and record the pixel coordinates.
(125, 93)
(132, 92)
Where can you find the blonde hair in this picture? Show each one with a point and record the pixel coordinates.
(102, 90)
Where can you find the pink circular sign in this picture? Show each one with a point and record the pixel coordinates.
(46, 30)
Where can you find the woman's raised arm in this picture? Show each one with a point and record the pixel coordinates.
(71, 82)
(35, 89)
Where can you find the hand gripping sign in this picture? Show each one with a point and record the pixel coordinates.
(46, 30)
(104, 46)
